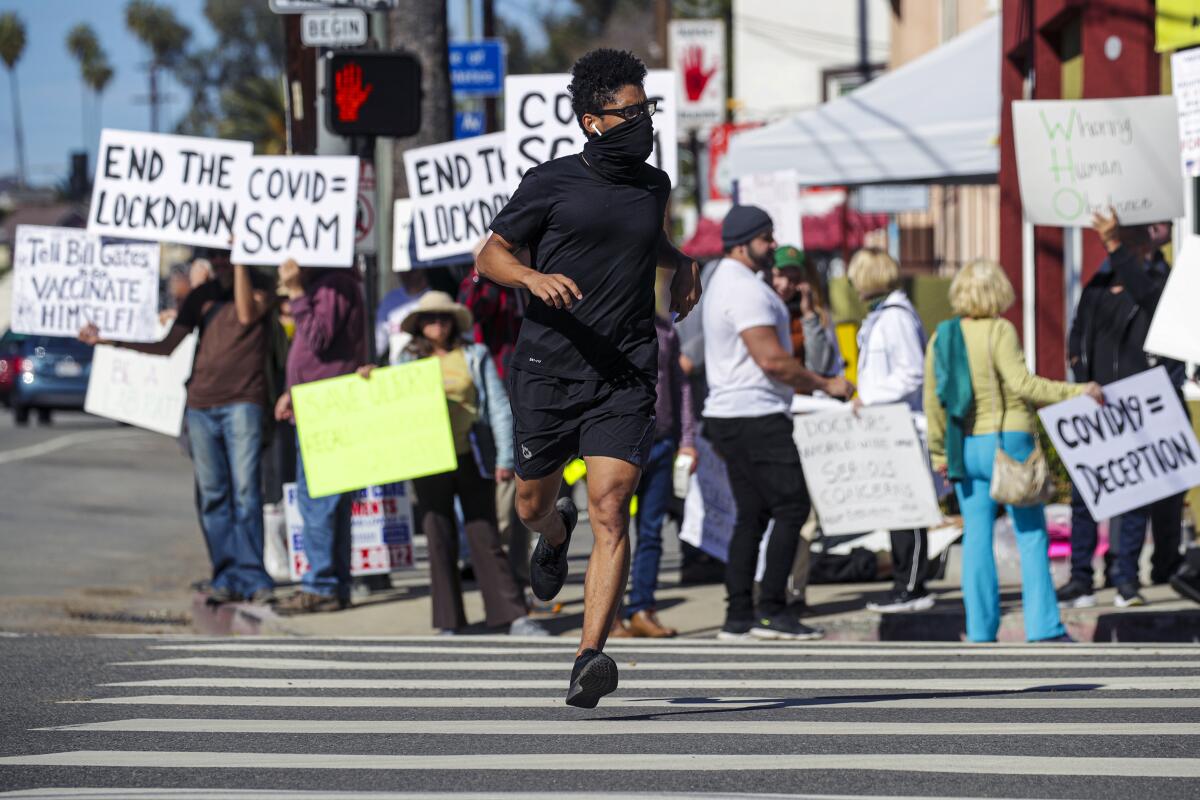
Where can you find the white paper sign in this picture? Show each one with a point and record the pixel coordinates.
(777, 193)
(709, 510)
(167, 188)
(1137, 448)
(1077, 157)
(541, 126)
(866, 471)
(381, 530)
(1175, 329)
(456, 188)
(143, 390)
(300, 207)
(1185, 78)
(65, 278)
(697, 48)
(402, 218)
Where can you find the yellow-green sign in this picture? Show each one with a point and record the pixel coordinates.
(356, 432)
(1176, 25)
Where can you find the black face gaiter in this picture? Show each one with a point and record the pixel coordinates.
(619, 152)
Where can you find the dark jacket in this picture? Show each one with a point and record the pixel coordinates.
(1121, 353)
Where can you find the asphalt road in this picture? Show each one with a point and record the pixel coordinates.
(188, 717)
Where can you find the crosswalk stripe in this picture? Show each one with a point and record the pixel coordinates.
(691, 727)
(624, 762)
(1045, 702)
(171, 793)
(309, 664)
(1090, 682)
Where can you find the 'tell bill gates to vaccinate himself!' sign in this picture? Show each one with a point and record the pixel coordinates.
(1135, 449)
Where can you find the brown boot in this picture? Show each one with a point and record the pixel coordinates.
(645, 624)
(618, 629)
(308, 603)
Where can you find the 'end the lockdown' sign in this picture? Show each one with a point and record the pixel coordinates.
(1137, 448)
(1077, 157)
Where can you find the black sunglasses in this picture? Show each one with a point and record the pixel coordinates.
(632, 112)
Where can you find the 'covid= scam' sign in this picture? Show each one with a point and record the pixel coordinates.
(1077, 157)
(457, 188)
(166, 188)
(1137, 448)
(65, 278)
(541, 126)
(299, 207)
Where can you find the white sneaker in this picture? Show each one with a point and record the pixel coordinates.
(904, 603)
(524, 626)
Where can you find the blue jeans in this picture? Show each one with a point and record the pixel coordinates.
(1125, 542)
(653, 494)
(226, 453)
(981, 587)
(326, 538)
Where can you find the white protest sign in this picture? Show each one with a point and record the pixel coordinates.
(456, 188)
(1137, 448)
(300, 207)
(402, 219)
(709, 510)
(697, 48)
(140, 389)
(777, 193)
(181, 189)
(1077, 157)
(1185, 80)
(867, 471)
(381, 530)
(541, 126)
(1175, 329)
(64, 278)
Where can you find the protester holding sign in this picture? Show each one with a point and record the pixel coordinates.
(330, 340)
(1106, 344)
(978, 398)
(584, 368)
(225, 399)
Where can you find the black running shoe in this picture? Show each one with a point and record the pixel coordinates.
(548, 565)
(594, 676)
(784, 626)
(735, 629)
(1187, 583)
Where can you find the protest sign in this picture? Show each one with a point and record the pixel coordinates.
(866, 471)
(381, 530)
(357, 432)
(709, 510)
(65, 278)
(1185, 80)
(300, 207)
(456, 188)
(697, 48)
(1078, 157)
(777, 193)
(167, 188)
(140, 389)
(1137, 448)
(541, 126)
(1175, 329)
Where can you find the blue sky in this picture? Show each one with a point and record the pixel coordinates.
(51, 91)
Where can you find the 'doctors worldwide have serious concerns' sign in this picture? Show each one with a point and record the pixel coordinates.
(181, 189)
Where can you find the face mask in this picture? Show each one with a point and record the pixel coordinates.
(619, 153)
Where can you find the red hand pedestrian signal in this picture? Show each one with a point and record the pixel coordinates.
(350, 93)
(695, 78)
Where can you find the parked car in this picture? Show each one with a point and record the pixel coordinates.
(44, 373)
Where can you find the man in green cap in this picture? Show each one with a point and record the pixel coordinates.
(811, 326)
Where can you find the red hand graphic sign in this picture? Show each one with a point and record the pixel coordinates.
(697, 49)
(695, 78)
(350, 93)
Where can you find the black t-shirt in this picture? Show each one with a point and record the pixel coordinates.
(604, 236)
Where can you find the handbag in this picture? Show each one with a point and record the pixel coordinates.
(1017, 483)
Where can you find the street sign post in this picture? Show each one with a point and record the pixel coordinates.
(477, 68)
(468, 124)
(300, 6)
(338, 27)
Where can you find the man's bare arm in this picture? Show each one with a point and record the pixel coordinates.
(771, 358)
(497, 262)
(250, 304)
(89, 335)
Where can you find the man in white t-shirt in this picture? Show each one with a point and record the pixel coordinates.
(752, 375)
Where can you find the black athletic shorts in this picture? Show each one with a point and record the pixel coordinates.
(557, 419)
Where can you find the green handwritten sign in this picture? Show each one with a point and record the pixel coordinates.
(356, 432)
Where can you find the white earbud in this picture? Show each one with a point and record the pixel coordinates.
(597, 130)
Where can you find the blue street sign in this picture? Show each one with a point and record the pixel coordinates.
(468, 124)
(477, 68)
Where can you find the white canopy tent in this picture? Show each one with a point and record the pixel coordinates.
(934, 119)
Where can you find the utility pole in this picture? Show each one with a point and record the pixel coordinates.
(864, 54)
(662, 16)
(419, 27)
(301, 101)
(491, 118)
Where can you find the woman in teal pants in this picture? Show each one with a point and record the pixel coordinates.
(979, 395)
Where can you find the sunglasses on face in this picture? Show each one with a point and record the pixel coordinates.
(632, 112)
(434, 319)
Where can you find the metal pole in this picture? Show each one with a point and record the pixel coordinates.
(490, 115)
(694, 148)
(864, 55)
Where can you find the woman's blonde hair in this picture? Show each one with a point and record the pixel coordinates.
(873, 272)
(981, 290)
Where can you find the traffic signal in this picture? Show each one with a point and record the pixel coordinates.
(373, 94)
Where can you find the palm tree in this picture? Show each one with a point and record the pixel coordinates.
(254, 111)
(83, 45)
(12, 45)
(97, 75)
(157, 27)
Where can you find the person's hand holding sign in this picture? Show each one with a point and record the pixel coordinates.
(289, 279)
(90, 334)
(1109, 229)
(283, 408)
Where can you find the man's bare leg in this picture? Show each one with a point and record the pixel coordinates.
(611, 484)
(535, 507)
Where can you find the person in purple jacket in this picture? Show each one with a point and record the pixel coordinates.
(330, 340)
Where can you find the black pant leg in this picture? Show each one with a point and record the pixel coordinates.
(910, 560)
(1166, 524)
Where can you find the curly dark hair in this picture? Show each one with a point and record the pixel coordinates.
(597, 77)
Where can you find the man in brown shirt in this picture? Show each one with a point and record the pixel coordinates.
(226, 396)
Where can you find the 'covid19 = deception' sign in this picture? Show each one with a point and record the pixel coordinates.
(1137, 448)
(166, 188)
(457, 188)
(541, 126)
(65, 278)
(1077, 157)
(866, 471)
(299, 207)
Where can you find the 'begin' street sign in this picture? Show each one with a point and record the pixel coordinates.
(341, 27)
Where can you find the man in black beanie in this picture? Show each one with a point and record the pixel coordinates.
(583, 374)
(752, 375)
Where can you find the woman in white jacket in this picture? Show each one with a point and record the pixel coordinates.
(891, 369)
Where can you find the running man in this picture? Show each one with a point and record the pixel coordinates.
(583, 374)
